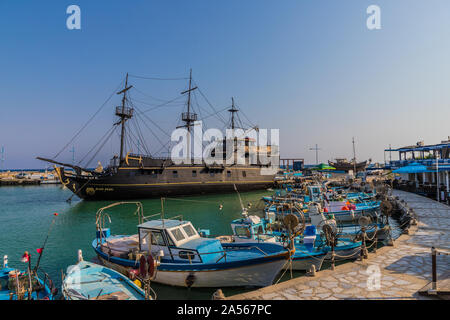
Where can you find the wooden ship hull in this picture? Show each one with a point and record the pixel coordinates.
(140, 182)
(347, 166)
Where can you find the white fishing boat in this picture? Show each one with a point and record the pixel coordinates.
(187, 259)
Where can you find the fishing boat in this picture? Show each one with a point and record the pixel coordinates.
(342, 164)
(24, 285)
(185, 258)
(132, 175)
(90, 281)
(252, 229)
(310, 245)
(339, 211)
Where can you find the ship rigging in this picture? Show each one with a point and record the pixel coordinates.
(143, 175)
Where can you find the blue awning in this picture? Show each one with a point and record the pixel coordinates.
(412, 168)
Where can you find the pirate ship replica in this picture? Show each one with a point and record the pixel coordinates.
(136, 176)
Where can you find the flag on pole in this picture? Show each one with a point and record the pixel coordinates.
(39, 250)
(25, 257)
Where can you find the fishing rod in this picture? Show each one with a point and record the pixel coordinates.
(41, 249)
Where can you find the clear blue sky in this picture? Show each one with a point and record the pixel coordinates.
(310, 68)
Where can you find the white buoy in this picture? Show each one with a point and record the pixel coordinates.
(5, 261)
(80, 255)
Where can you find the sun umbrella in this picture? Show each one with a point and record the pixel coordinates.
(324, 166)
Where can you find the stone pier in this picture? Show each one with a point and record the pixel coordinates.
(396, 272)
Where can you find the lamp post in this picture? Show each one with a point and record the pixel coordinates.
(437, 176)
(317, 153)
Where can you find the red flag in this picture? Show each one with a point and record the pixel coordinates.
(25, 257)
(55, 214)
(39, 250)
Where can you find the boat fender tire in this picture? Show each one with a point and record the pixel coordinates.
(151, 266)
(190, 279)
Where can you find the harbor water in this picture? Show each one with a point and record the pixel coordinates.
(26, 214)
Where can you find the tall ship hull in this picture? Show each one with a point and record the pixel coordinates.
(152, 182)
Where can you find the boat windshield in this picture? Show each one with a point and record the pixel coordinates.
(242, 231)
(157, 239)
(177, 234)
(189, 230)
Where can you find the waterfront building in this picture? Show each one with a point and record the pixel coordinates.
(423, 168)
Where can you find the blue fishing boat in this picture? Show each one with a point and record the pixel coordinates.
(341, 211)
(17, 285)
(252, 229)
(90, 281)
(310, 246)
(185, 258)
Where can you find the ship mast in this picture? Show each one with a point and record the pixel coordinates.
(233, 110)
(124, 114)
(189, 117)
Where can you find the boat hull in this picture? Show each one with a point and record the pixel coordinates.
(259, 275)
(305, 263)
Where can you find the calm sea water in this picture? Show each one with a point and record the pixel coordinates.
(26, 214)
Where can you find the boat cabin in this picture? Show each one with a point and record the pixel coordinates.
(314, 192)
(250, 229)
(178, 240)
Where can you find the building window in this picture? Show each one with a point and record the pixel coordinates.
(244, 174)
(175, 174)
(228, 174)
(194, 173)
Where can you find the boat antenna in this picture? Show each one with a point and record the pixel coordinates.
(162, 211)
(354, 155)
(124, 114)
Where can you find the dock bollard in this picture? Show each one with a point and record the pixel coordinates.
(218, 295)
(312, 271)
(332, 257)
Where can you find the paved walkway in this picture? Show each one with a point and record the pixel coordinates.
(396, 272)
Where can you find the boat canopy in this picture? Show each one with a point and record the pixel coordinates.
(180, 232)
(412, 168)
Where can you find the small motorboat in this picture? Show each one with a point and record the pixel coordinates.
(185, 258)
(90, 281)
